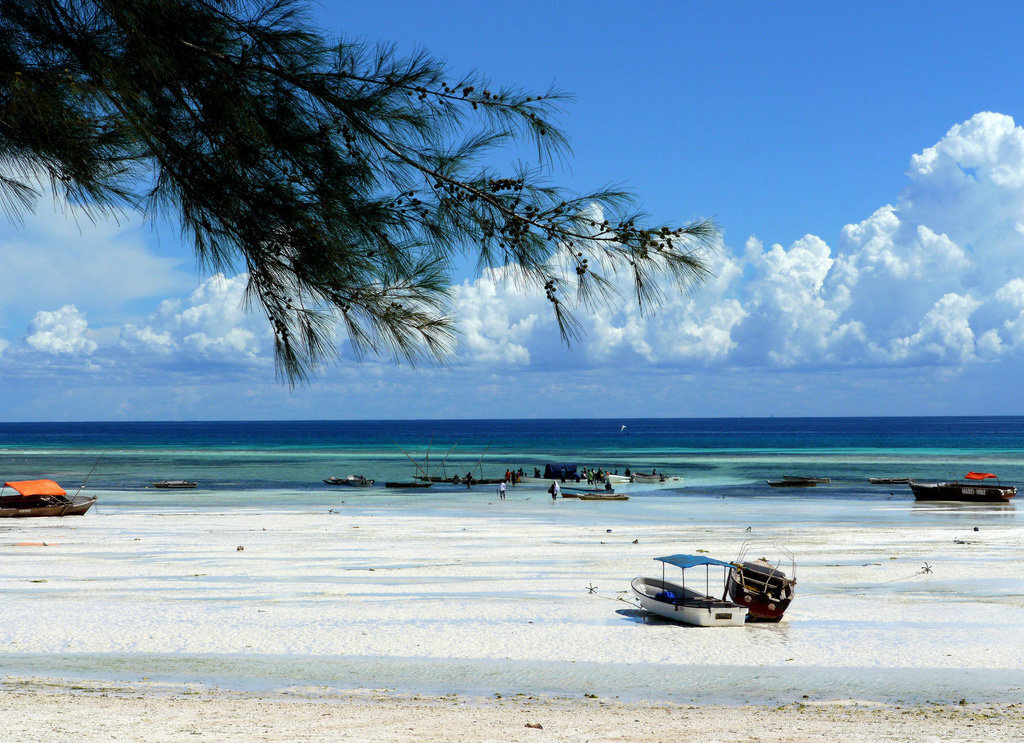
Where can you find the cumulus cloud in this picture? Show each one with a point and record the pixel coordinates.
(211, 324)
(935, 277)
(60, 333)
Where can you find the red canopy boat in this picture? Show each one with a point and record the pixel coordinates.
(972, 489)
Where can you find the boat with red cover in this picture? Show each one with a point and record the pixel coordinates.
(41, 498)
(972, 489)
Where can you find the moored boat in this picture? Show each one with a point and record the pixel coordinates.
(602, 496)
(356, 481)
(762, 586)
(175, 484)
(889, 480)
(681, 604)
(803, 479)
(41, 498)
(408, 485)
(784, 483)
(972, 489)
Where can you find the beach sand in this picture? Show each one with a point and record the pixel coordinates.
(467, 622)
(35, 712)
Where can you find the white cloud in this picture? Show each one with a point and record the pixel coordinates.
(60, 333)
(211, 324)
(934, 277)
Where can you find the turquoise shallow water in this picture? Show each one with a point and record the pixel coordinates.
(714, 456)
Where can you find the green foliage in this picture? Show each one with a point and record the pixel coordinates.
(344, 178)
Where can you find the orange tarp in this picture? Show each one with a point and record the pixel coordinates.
(37, 487)
(979, 475)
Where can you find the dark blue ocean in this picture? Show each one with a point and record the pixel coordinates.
(713, 456)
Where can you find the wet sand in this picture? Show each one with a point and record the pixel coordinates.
(35, 712)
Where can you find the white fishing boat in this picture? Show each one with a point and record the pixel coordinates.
(355, 481)
(684, 604)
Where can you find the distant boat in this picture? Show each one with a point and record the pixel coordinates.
(784, 483)
(408, 485)
(41, 498)
(971, 489)
(889, 480)
(175, 484)
(603, 496)
(801, 478)
(357, 481)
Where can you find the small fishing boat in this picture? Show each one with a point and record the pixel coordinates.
(175, 484)
(355, 481)
(41, 498)
(889, 480)
(681, 604)
(762, 586)
(802, 479)
(784, 483)
(971, 489)
(408, 485)
(602, 496)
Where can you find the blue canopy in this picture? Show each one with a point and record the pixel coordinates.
(690, 561)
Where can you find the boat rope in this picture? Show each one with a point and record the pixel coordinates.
(593, 591)
(925, 569)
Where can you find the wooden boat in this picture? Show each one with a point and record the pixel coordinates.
(802, 479)
(971, 489)
(654, 477)
(602, 496)
(760, 586)
(175, 484)
(681, 604)
(889, 480)
(792, 483)
(356, 481)
(408, 485)
(41, 498)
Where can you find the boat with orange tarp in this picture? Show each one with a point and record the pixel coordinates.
(41, 498)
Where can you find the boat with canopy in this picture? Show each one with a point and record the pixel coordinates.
(41, 498)
(972, 489)
(684, 604)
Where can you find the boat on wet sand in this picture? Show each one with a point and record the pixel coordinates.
(41, 498)
(972, 489)
(761, 585)
(684, 604)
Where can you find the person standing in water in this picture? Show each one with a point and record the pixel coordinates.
(501, 490)
(554, 490)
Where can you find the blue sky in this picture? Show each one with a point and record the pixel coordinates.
(865, 161)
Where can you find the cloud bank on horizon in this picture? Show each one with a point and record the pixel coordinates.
(935, 278)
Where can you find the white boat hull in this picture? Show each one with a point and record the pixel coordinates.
(689, 607)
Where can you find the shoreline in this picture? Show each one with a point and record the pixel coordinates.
(39, 711)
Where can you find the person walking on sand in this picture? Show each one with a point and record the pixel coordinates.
(501, 490)
(554, 490)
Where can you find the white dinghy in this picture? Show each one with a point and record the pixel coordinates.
(681, 604)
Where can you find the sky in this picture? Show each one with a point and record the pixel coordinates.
(865, 163)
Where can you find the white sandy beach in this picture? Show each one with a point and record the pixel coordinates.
(154, 625)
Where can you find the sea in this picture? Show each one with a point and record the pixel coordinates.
(449, 590)
(236, 461)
